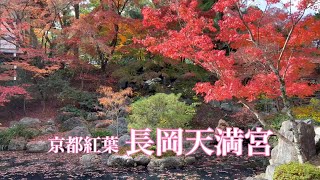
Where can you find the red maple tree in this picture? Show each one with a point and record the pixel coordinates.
(99, 32)
(28, 27)
(252, 51)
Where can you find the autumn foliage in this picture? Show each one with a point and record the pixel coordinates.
(115, 102)
(23, 23)
(260, 46)
(252, 51)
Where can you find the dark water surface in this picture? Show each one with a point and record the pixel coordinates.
(231, 167)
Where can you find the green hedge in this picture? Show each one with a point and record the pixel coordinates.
(297, 171)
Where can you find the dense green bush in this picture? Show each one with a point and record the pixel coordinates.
(83, 99)
(160, 111)
(14, 132)
(296, 171)
(70, 111)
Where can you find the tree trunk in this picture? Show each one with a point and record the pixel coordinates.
(296, 133)
(77, 10)
(103, 65)
(117, 125)
(102, 59)
(113, 45)
(287, 106)
(77, 16)
(24, 106)
(264, 123)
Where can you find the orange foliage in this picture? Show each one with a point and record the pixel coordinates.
(113, 100)
(34, 69)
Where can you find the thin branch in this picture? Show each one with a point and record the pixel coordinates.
(124, 5)
(285, 46)
(264, 123)
(285, 72)
(246, 25)
(288, 38)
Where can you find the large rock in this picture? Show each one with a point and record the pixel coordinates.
(215, 103)
(92, 116)
(29, 122)
(96, 116)
(89, 160)
(142, 160)
(153, 81)
(226, 106)
(104, 158)
(78, 132)
(166, 163)
(223, 124)
(49, 129)
(38, 146)
(123, 139)
(284, 153)
(317, 132)
(122, 125)
(13, 123)
(190, 160)
(120, 161)
(103, 123)
(17, 144)
(50, 122)
(72, 123)
(261, 176)
(270, 171)
(317, 138)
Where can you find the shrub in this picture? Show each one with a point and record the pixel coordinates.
(278, 119)
(296, 171)
(50, 86)
(73, 110)
(14, 132)
(264, 104)
(82, 99)
(310, 111)
(160, 111)
(100, 133)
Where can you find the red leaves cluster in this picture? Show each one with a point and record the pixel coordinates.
(8, 92)
(263, 54)
(179, 33)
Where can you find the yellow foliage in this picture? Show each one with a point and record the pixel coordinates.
(310, 111)
(122, 41)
